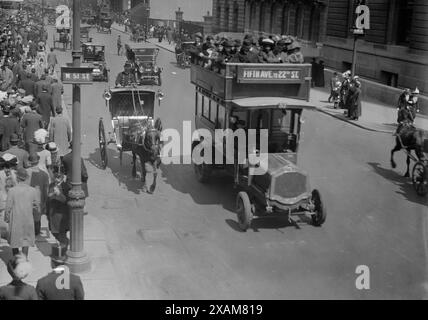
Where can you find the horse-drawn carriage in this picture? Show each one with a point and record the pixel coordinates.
(256, 100)
(182, 53)
(62, 37)
(105, 25)
(145, 59)
(94, 54)
(84, 33)
(132, 111)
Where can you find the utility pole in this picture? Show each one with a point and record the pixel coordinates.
(77, 260)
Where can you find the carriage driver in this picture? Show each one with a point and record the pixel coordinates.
(126, 77)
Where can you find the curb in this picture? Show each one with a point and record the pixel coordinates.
(354, 123)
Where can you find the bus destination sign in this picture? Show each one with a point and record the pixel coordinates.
(251, 75)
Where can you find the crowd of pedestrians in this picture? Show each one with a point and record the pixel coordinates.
(35, 153)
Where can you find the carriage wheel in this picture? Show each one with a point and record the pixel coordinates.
(103, 144)
(420, 178)
(320, 214)
(245, 210)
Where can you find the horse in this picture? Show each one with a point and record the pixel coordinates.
(411, 139)
(147, 148)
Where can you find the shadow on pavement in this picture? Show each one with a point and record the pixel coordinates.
(123, 173)
(405, 184)
(217, 191)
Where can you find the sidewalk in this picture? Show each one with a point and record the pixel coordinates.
(376, 116)
(100, 282)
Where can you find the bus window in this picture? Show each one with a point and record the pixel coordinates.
(199, 104)
(213, 112)
(282, 120)
(206, 107)
(221, 116)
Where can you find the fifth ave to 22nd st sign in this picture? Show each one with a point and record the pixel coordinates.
(255, 74)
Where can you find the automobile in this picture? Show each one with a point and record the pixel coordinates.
(145, 59)
(258, 98)
(94, 54)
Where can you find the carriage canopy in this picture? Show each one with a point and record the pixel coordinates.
(132, 102)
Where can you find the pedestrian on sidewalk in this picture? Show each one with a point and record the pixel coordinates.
(333, 86)
(19, 268)
(58, 215)
(40, 181)
(22, 202)
(67, 162)
(47, 288)
(119, 45)
(45, 103)
(20, 154)
(355, 101)
(8, 125)
(60, 132)
(30, 123)
(52, 60)
(57, 91)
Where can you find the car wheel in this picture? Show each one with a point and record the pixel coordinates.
(320, 214)
(244, 210)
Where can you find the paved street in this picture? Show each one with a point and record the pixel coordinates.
(183, 242)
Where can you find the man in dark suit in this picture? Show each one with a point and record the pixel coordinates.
(8, 126)
(30, 123)
(43, 82)
(20, 154)
(28, 85)
(46, 108)
(48, 287)
(67, 162)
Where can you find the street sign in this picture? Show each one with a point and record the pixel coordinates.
(76, 75)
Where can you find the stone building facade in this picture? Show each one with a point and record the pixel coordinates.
(393, 52)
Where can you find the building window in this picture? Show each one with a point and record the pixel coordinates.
(298, 25)
(226, 17)
(253, 10)
(389, 78)
(404, 23)
(262, 16)
(235, 16)
(218, 16)
(285, 28)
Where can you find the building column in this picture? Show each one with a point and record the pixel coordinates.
(247, 14)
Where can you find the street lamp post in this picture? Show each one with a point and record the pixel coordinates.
(77, 260)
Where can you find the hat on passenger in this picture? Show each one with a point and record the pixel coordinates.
(21, 91)
(416, 91)
(268, 42)
(294, 45)
(227, 43)
(199, 35)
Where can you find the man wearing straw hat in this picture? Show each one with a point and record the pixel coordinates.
(19, 268)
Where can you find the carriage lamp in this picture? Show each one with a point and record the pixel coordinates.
(107, 95)
(161, 95)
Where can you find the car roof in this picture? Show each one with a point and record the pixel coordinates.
(129, 89)
(272, 102)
